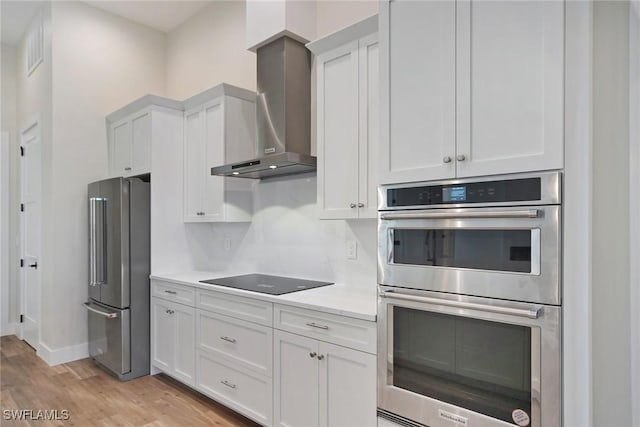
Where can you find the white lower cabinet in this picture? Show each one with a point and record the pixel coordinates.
(172, 339)
(314, 369)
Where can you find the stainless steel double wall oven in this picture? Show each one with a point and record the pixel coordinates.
(470, 301)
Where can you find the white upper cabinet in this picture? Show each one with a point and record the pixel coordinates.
(219, 128)
(347, 121)
(471, 88)
(131, 130)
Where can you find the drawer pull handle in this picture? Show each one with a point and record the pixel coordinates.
(231, 340)
(320, 356)
(313, 354)
(228, 384)
(171, 292)
(315, 325)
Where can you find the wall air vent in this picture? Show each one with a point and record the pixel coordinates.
(35, 44)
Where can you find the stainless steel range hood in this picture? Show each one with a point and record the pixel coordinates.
(283, 114)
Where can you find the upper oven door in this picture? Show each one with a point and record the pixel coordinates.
(508, 252)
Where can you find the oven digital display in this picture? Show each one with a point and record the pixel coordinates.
(454, 194)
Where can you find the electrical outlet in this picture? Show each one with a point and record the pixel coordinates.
(352, 249)
(227, 243)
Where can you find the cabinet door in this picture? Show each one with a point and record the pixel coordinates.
(184, 342)
(510, 86)
(337, 130)
(141, 143)
(295, 380)
(214, 135)
(347, 387)
(369, 82)
(193, 165)
(162, 333)
(121, 148)
(418, 90)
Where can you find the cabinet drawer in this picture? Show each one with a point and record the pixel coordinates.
(345, 331)
(173, 292)
(238, 341)
(249, 309)
(248, 393)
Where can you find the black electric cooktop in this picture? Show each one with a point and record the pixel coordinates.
(263, 283)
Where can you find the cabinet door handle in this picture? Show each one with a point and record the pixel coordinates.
(168, 311)
(361, 205)
(315, 325)
(320, 356)
(352, 205)
(171, 292)
(446, 159)
(127, 168)
(461, 157)
(313, 354)
(231, 340)
(228, 384)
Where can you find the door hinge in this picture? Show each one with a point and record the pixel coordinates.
(21, 263)
(22, 318)
(21, 151)
(21, 207)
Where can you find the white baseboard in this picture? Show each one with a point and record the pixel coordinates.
(63, 355)
(10, 329)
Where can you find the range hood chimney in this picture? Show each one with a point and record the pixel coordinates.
(283, 114)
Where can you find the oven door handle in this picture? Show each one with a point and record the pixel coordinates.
(530, 314)
(525, 213)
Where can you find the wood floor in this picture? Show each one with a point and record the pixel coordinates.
(94, 398)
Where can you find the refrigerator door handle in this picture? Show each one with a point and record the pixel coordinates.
(97, 240)
(106, 314)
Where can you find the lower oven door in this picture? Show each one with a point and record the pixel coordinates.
(469, 361)
(109, 339)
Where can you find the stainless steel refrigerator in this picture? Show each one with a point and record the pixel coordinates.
(118, 306)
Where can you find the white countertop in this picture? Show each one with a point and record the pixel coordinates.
(339, 298)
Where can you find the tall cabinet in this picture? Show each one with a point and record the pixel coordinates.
(219, 128)
(470, 88)
(346, 64)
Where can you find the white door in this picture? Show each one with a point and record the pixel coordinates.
(141, 143)
(369, 119)
(162, 333)
(295, 380)
(184, 353)
(31, 235)
(214, 138)
(347, 387)
(121, 148)
(418, 90)
(338, 132)
(510, 97)
(193, 163)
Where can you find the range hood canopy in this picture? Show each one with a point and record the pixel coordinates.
(283, 114)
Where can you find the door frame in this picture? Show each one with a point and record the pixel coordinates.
(35, 121)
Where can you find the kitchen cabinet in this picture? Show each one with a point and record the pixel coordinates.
(324, 369)
(322, 384)
(346, 66)
(172, 339)
(471, 88)
(131, 131)
(219, 128)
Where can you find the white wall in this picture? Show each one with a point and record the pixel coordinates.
(101, 62)
(334, 15)
(209, 49)
(8, 215)
(611, 349)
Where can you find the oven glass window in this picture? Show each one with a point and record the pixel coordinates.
(499, 250)
(474, 364)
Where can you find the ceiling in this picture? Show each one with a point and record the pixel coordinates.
(158, 14)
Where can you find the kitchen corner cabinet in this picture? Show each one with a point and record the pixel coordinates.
(172, 339)
(346, 66)
(471, 88)
(130, 133)
(219, 128)
(319, 383)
